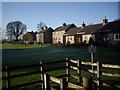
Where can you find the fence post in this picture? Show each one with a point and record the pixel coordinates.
(79, 70)
(87, 82)
(42, 74)
(68, 69)
(99, 74)
(8, 77)
(46, 81)
(62, 83)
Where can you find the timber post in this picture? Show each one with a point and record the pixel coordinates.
(42, 74)
(63, 83)
(8, 77)
(99, 74)
(79, 71)
(68, 69)
(87, 83)
(46, 82)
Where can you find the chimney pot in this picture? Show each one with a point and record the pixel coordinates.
(83, 25)
(105, 20)
(64, 24)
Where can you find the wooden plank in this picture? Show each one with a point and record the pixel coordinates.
(74, 68)
(103, 73)
(55, 79)
(111, 74)
(106, 84)
(24, 74)
(73, 61)
(89, 70)
(24, 66)
(92, 71)
(111, 66)
(103, 65)
(89, 63)
(74, 76)
(54, 62)
(74, 86)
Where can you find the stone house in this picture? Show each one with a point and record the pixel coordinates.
(109, 33)
(72, 37)
(88, 31)
(45, 35)
(81, 34)
(30, 36)
(58, 34)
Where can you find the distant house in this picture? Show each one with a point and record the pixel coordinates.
(44, 36)
(29, 36)
(81, 34)
(109, 33)
(88, 31)
(72, 37)
(57, 35)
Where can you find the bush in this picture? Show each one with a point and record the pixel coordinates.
(68, 43)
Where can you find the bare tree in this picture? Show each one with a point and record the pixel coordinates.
(15, 29)
(41, 26)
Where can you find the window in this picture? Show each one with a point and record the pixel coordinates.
(70, 38)
(62, 32)
(116, 37)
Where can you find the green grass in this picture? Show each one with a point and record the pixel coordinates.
(17, 55)
(22, 46)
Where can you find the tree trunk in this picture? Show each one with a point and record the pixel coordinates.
(16, 38)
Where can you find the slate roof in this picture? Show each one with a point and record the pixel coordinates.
(44, 30)
(72, 31)
(113, 27)
(33, 33)
(90, 29)
(66, 27)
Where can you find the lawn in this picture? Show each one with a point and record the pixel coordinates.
(22, 46)
(27, 54)
(17, 55)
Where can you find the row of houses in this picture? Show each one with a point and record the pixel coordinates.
(105, 32)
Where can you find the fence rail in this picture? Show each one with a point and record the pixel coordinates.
(59, 79)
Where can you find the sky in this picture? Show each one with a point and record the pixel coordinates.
(54, 14)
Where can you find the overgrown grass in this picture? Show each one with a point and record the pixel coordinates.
(18, 55)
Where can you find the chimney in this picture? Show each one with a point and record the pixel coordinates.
(46, 27)
(64, 24)
(83, 25)
(105, 21)
(42, 28)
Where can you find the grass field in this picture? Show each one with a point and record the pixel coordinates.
(16, 55)
(22, 46)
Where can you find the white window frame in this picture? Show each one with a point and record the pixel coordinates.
(118, 37)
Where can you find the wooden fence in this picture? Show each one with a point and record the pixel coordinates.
(63, 80)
